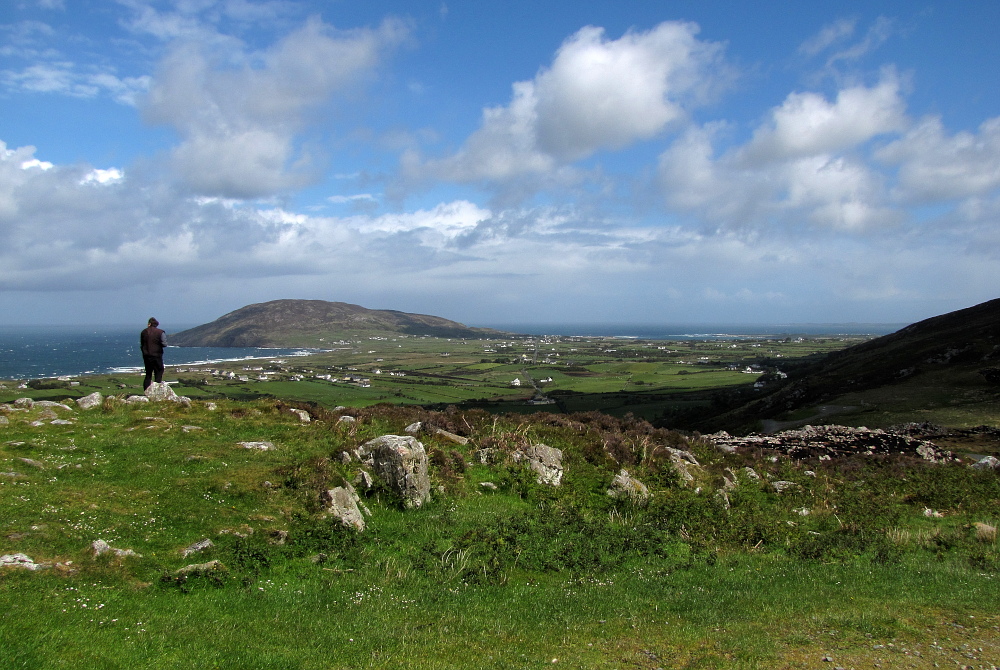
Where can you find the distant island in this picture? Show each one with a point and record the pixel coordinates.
(317, 324)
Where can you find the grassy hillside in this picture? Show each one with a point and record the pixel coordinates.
(944, 369)
(844, 564)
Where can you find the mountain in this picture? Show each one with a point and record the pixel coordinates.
(943, 363)
(314, 323)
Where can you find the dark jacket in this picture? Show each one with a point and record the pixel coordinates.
(152, 341)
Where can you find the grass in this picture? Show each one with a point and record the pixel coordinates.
(520, 575)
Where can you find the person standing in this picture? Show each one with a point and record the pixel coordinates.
(152, 340)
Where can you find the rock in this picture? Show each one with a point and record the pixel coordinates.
(486, 455)
(33, 463)
(488, 485)
(347, 418)
(987, 463)
(302, 414)
(160, 392)
(259, 446)
(751, 473)
(51, 404)
(61, 422)
(24, 403)
(723, 497)
(782, 485)
(91, 401)
(21, 561)
(200, 545)
(932, 513)
(101, 547)
(277, 537)
(364, 481)
(625, 486)
(345, 457)
(210, 569)
(681, 461)
(188, 429)
(546, 461)
(401, 462)
(452, 437)
(413, 428)
(211, 406)
(342, 503)
(985, 532)
(136, 399)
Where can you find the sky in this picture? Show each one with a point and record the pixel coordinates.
(572, 162)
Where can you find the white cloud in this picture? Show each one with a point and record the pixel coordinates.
(238, 117)
(830, 34)
(598, 94)
(807, 124)
(936, 166)
(803, 165)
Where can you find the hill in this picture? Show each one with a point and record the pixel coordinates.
(947, 361)
(314, 323)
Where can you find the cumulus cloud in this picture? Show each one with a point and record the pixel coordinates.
(802, 164)
(934, 165)
(598, 94)
(239, 122)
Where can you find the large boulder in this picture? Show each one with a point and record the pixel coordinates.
(401, 462)
(160, 392)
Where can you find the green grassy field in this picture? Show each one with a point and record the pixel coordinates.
(517, 576)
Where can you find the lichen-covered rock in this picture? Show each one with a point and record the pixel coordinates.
(20, 560)
(452, 437)
(302, 414)
(987, 463)
(24, 403)
(258, 446)
(546, 462)
(136, 399)
(342, 503)
(200, 545)
(90, 401)
(160, 392)
(100, 547)
(401, 462)
(625, 486)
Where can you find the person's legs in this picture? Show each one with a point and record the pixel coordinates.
(158, 369)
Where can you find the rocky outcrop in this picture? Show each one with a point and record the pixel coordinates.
(626, 487)
(545, 461)
(400, 461)
(161, 392)
(100, 547)
(826, 442)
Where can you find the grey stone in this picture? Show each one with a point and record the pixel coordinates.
(136, 399)
(259, 446)
(364, 481)
(401, 462)
(215, 567)
(452, 437)
(20, 560)
(782, 485)
(342, 503)
(33, 463)
(160, 392)
(346, 419)
(625, 486)
(91, 401)
(302, 414)
(200, 545)
(546, 462)
(413, 428)
(987, 463)
(51, 404)
(101, 547)
(24, 403)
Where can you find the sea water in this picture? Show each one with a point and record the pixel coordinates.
(37, 352)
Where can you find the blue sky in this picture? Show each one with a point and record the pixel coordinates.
(492, 163)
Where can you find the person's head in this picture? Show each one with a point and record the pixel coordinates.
(153, 322)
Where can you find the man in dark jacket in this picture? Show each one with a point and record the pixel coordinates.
(152, 340)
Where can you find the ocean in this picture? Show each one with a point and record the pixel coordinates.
(36, 352)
